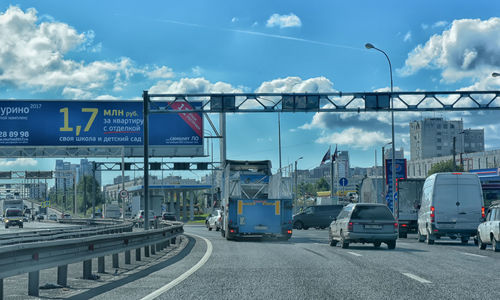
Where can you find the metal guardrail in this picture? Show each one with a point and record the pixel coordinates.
(33, 257)
(62, 233)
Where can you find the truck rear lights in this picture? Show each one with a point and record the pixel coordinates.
(433, 215)
(404, 225)
(350, 226)
(396, 225)
(231, 230)
(289, 231)
(483, 215)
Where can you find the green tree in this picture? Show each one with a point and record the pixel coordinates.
(84, 198)
(322, 185)
(445, 166)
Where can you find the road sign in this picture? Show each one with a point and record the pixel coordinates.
(45, 204)
(123, 194)
(343, 181)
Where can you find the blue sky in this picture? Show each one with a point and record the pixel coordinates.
(116, 49)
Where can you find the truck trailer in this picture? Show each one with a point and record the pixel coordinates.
(255, 203)
(409, 197)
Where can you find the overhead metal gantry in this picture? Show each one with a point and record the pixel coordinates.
(329, 102)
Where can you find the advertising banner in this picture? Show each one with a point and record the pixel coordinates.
(95, 123)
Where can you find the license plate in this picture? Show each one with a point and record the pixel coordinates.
(260, 227)
(373, 226)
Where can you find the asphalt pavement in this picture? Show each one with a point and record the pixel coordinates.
(306, 267)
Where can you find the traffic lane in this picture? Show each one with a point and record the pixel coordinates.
(32, 225)
(288, 270)
(449, 267)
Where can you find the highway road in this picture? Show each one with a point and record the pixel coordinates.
(306, 267)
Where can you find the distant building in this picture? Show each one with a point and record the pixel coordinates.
(433, 137)
(66, 172)
(400, 154)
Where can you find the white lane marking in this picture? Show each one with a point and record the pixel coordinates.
(354, 253)
(415, 277)
(475, 255)
(185, 275)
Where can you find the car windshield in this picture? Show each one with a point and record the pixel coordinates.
(14, 213)
(372, 213)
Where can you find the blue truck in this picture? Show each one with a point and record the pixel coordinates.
(255, 203)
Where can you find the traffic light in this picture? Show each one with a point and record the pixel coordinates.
(181, 166)
(156, 166)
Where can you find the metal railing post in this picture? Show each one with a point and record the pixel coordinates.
(146, 251)
(115, 260)
(127, 257)
(87, 269)
(138, 254)
(62, 275)
(100, 264)
(34, 283)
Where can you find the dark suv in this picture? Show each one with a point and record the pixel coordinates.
(318, 216)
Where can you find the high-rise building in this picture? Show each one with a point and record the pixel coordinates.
(435, 137)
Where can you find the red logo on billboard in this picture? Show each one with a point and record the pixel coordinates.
(192, 119)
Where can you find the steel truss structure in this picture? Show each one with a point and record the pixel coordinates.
(332, 102)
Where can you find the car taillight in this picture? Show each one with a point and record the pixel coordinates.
(140, 217)
(396, 225)
(433, 215)
(483, 215)
(404, 225)
(231, 230)
(289, 231)
(349, 226)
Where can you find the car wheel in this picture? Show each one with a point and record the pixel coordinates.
(495, 245)
(222, 233)
(217, 228)
(344, 243)
(391, 244)
(206, 224)
(480, 243)
(453, 237)
(299, 225)
(209, 228)
(464, 240)
(420, 237)
(377, 244)
(6, 226)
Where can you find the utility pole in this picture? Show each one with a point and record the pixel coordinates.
(145, 98)
(454, 153)
(93, 189)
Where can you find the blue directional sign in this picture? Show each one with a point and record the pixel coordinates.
(96, 123)
(343, 181)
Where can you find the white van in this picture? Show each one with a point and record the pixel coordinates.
(452, 205)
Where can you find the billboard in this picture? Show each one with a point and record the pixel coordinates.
(400, 170)
(95, 123)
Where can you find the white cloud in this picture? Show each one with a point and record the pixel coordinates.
(19, 162)
(234, 20)
(197, 71)
(439, 24)
(355, 137)
(469, 48)
(192, 85)
(296, 85)
(284, 21)
(424, 26)
(162, 72)
(407, 37)
(255, 24)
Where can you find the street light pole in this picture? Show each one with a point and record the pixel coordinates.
(383, 167)
(393, 168)
(296, 185)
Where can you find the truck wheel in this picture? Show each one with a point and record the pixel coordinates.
(6, 226)
(209, 228)
(495, 244)
(480, 243)
(333, 242)
(464, 240)
(391, 244)
(429, 239)
(299, 225)
(222, 233)
(21, 226)
(420, 237)
(377, 244)
(217, 228)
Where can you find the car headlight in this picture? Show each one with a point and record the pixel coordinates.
(6, 221)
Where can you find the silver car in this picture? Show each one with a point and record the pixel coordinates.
(214, 220)
(364, 223)
(488, 232)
